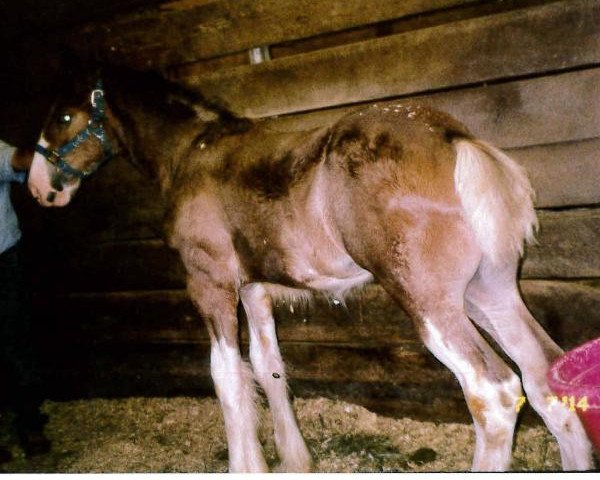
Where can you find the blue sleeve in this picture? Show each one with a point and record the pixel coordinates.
(7, 174)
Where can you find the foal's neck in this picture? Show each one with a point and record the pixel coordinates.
(160, 124)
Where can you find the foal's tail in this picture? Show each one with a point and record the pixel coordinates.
(497, 198)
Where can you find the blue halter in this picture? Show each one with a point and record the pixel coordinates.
(95, 128)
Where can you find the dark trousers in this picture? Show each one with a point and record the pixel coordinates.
(21, 387)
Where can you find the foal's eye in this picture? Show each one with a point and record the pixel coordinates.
(64, 119)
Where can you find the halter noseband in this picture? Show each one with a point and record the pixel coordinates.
(94, 128)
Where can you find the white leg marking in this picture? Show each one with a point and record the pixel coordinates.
(521, 337)
(492, 404)
(235, 388)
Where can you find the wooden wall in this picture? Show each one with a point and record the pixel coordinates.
(523, 74)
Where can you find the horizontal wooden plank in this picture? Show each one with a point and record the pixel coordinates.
(410, 365)
(387, 374)
(139, 265)
(546, 110)
(568, 243)
(412, 62)
(25, 19)
(186, 31)
(399, 365)
(445, 403)
(371, 318)
(568, 310)
(568, 246)
(398, 25)
(390, 379)
(562, 174)
(404, 401)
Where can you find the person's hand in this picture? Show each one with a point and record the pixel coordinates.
(22, 158)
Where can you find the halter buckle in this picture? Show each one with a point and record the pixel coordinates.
(53, 157)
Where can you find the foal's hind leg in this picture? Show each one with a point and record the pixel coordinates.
(232, 377)
(494, 302)
(428, 273)
(491, 389)
(270, 373)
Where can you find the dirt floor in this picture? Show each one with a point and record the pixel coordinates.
(186, 435)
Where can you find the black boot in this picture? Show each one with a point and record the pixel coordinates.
(34, 442)
(5, 455)
(29, 425)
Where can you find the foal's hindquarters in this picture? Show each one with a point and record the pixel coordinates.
(439, 219)
(441, 224)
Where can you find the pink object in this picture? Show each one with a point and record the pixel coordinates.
(575, 379)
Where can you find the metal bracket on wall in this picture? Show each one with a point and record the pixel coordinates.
(259, 54)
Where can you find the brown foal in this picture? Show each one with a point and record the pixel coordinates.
(394, 193)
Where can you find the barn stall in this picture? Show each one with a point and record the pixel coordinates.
(112, 314)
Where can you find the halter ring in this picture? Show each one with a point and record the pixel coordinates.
(96, 93)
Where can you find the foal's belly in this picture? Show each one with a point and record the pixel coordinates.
(307, 259)
(294, 243)
(335, 279)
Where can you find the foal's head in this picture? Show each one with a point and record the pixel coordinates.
(73, 143)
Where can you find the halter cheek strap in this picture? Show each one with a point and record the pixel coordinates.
(94, 128)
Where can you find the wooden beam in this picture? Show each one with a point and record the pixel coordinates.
(568, 310)
(371, 318)
(546, 110)
(187, 31)
(26, 18)
(451, 55)
(404, 377)
(412, 365)
(567, 246)
(90, 354)
(149, 317)
(563, 174)
(136, 265)
(399, 25)
(183, 370)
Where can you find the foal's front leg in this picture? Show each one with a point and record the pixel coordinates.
(232, 377)
(270, 372)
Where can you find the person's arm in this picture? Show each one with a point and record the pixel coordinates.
(22, 158)
(13, 163)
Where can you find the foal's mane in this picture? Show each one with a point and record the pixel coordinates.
(169, 99)
(157, 95)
